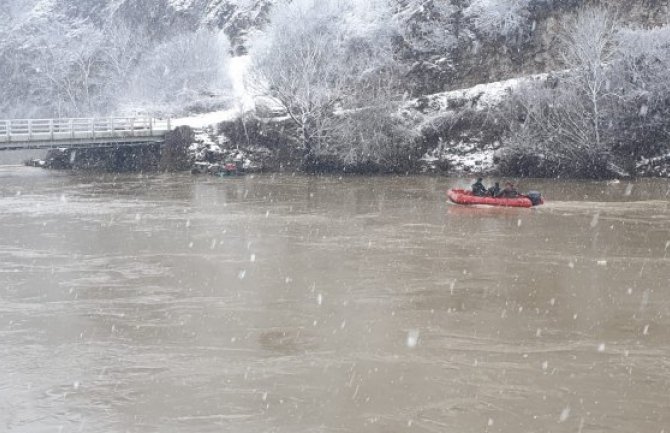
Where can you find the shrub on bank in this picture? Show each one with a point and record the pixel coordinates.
(519, 161)
(174, 153)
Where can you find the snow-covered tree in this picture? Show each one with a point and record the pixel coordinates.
(316, 56)
(186, 69)
(589, 52)
(123, 47)
(608, 108)
(500, 18)
(643, 107)
(70, 67)
(432, 26)
(566, 128)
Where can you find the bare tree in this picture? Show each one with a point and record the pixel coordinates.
(85, 54)
(430, 26)
(123, 48)
(312, 58)
(69, 55)
(567, 127)
(589, 52)
(5, 21)
(499, 18)
(297, 65)
(188, 68)
(555, 137)
(605, 111)
(642, 110)
(375, 137)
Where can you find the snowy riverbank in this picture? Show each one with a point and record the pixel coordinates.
(462, 129)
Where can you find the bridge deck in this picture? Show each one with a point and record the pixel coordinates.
(49, 133)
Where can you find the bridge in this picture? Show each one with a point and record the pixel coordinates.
(18, 134)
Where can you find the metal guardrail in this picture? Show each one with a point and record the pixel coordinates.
(27, 131)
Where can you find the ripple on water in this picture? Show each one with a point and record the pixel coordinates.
(368, 306)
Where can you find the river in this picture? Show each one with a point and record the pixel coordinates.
(280, 303)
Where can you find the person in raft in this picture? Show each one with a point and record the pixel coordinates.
(478, 188)
(494, 190)
(508, 192)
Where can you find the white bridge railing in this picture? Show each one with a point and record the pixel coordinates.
(80, 130)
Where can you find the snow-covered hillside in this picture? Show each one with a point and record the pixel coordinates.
(61, 58)
(465, 149)
(339, 70)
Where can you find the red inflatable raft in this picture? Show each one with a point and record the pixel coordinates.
(462, 196)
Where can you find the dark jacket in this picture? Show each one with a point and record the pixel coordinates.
(478, 188)
(508, 192)
(494, 190)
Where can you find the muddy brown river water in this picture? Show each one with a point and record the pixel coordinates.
(293, 304)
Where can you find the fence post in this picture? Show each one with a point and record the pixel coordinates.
(71, 129)
(30, 130)
(132, 127)
(8, 124)
(93, 128)
(51, 129)
(168, 125)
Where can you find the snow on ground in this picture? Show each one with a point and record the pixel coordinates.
(204, 141)
(479, 97)
(461, 154)
(657, 166)
(238, 71)
(28, 13)
(465, 150)
(463, 157)
(181, 5)
(477, 161)
(649, 161)
(244, 101)
(204, 120)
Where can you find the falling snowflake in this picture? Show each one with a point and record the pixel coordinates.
(412, 338)
(565, 413)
